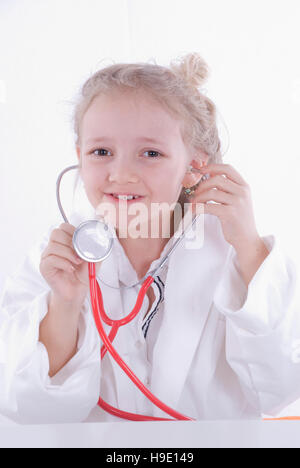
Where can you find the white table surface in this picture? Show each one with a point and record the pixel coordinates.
(215, 434)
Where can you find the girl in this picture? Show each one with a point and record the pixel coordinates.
(218, 333)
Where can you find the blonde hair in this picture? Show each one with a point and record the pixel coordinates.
(176, 88)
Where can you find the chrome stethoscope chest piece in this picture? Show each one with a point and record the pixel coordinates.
(93, 241)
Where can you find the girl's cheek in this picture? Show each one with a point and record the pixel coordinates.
(94, 180)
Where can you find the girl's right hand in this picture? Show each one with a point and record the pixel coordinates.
(65, 272)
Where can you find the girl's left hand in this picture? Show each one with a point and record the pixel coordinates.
(234, 204)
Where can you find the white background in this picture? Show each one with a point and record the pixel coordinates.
(48, 48)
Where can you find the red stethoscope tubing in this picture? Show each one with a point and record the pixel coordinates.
(99, 312)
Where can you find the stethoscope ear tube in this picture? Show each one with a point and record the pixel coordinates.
(58, 191)
(97, 307)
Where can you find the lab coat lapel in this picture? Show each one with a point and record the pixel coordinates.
(188, 297)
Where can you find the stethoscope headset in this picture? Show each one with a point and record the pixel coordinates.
(93, 242)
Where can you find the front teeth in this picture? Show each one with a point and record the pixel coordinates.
(125, 197)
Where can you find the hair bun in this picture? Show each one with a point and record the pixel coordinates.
(192, 68)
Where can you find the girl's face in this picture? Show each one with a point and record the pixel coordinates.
(131, 145)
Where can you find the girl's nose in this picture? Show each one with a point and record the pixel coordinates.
(122, 173)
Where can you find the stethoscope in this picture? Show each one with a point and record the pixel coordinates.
(93, 242)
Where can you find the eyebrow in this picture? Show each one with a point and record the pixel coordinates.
(143, 138)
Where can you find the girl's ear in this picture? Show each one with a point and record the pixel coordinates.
(192, 178)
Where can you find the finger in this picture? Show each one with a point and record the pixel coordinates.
(68, 228)
(226, 169)
(216, 210)
(54, 248)
(214, 195)
(61, 236)
(59, 263)
(221, 183)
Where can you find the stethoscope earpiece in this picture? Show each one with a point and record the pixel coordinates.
(193, 169)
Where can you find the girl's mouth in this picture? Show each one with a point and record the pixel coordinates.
(121, 198)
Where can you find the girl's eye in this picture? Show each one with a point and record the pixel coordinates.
(152, 156)
(98, 149)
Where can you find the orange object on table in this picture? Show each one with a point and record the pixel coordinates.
(287, 418)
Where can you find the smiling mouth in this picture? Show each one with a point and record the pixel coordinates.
(127, 198)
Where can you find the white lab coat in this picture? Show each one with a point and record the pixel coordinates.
(222, 350)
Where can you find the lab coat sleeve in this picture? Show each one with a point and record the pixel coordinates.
(263, 328)
(27, 394)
